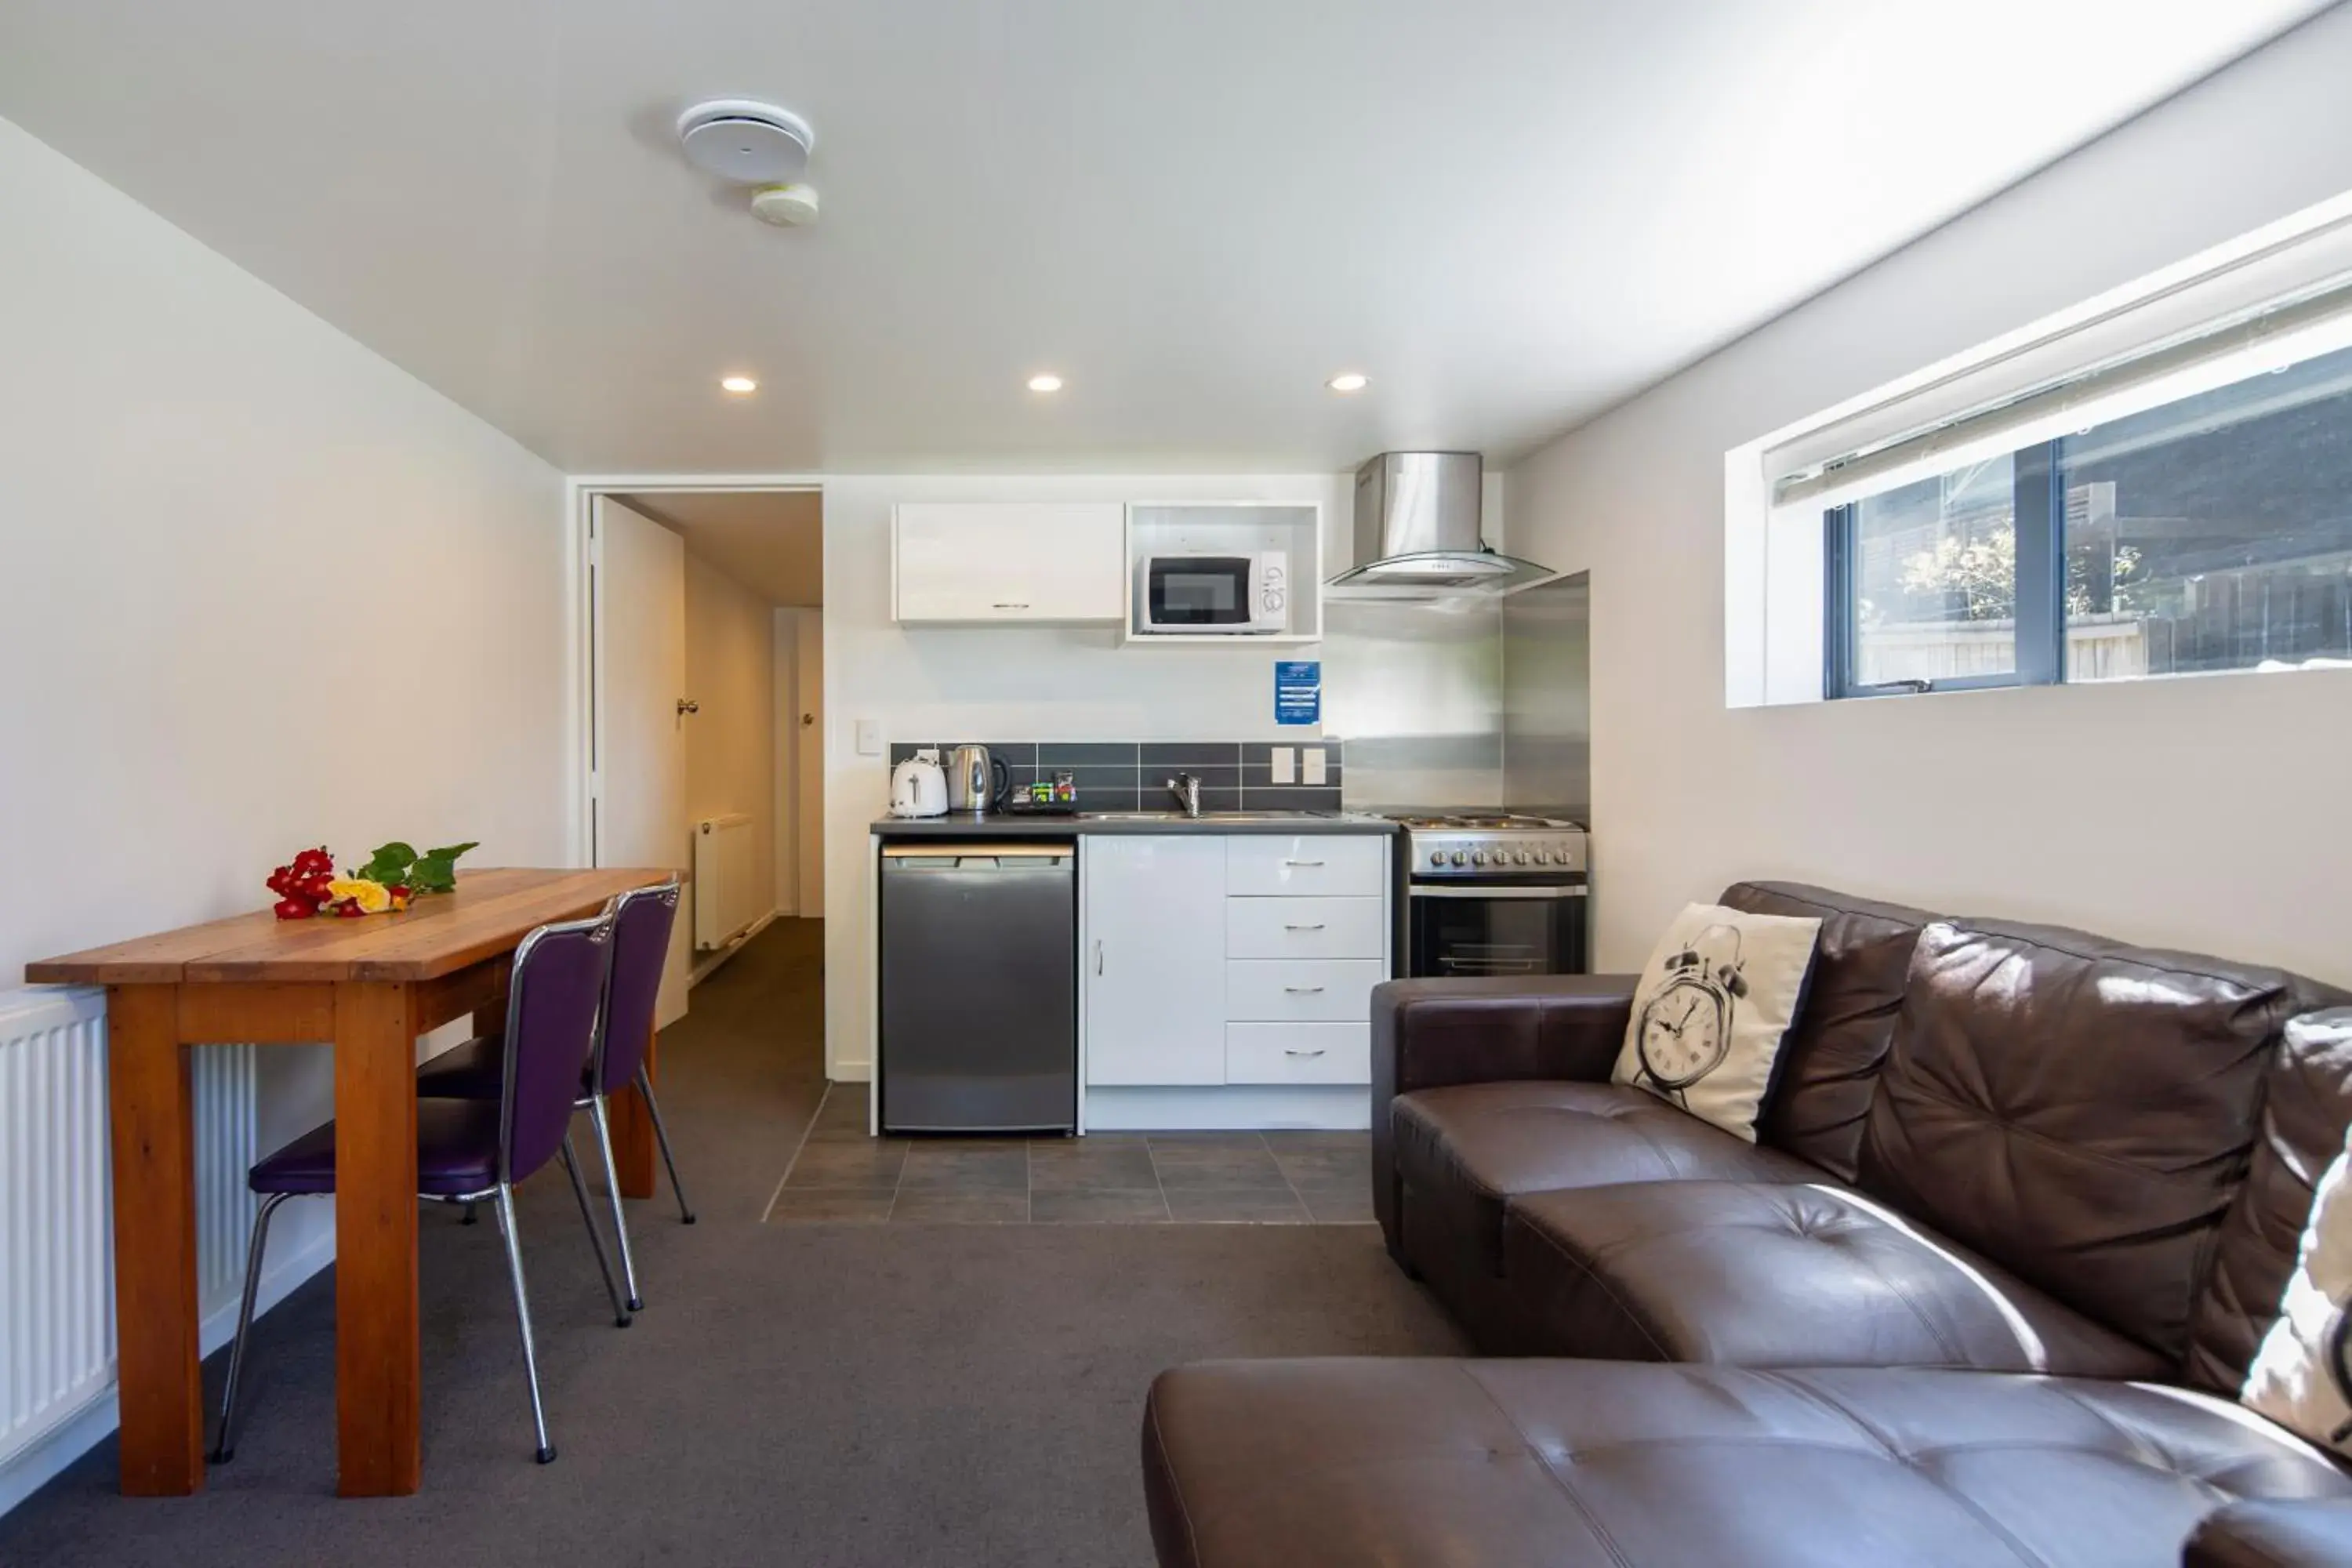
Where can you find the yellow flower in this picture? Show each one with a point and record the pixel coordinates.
(372, 897)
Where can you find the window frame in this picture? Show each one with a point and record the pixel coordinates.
(2038, 513)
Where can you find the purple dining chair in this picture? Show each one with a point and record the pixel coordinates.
(471, 1151)
(642, 918)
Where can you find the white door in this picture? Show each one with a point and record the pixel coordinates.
(1154, 958)
(640, 670)
(808, 762)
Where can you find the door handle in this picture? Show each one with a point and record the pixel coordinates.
(1098, 962)
(1295, 1051)
(1316, 926)
(1302, 990)
(688, 705)
(807, 720)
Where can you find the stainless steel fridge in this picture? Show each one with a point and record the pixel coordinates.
(979, 987)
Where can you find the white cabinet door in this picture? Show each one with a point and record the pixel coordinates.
(1154, 958)
(980, 563)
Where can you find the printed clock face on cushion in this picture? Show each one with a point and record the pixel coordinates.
(1713, 1006)
(1685, 1030)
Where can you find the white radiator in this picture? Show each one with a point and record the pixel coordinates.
(57, 1276)
(725, 890)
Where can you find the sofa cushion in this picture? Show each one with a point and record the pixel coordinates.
(2077, 1110)
(1463, 1151)
(1828, 1063)
(2306, 1107)
(1787, 1274)
(1569, 1463)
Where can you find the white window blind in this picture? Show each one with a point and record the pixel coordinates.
(2280, 296)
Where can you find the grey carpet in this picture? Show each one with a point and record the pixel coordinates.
(898, 1394)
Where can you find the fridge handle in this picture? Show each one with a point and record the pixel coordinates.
(1098, 962)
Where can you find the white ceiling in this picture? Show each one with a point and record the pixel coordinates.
(772, 541)
(1509, 213)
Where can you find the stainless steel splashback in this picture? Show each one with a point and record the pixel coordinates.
(1547, 719)
(1414, 686)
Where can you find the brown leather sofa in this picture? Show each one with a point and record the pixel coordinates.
(2022, 1205)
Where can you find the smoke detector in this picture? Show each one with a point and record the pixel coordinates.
(786, 207)
(746, 143)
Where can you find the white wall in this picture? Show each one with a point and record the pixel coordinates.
(995, 683)
(731, 744)
(2202, 812)
(261, 590)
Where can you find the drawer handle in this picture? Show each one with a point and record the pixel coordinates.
(1012, 606)
(1316, 926)
(1302, 990)
(1295, 1051)
(1303, 863)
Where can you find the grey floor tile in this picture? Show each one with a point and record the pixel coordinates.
(1254, 1206)
(961, 1206)
(868, 1162)
(937, 1167)
(1350, 1203)
(1078, 1168)
(820, 1205)
(1228, 1162)
(1099, 1205)
(1324, 1167)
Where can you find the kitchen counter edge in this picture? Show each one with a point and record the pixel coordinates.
(1077, 827)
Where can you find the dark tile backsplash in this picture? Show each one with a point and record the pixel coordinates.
(1127, 775)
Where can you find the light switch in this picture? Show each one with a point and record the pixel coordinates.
(1310, 764)
(870, 737)
(1282, 771)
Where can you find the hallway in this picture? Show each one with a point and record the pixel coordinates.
(901, 1393)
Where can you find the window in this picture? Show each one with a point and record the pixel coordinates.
(2211, 532)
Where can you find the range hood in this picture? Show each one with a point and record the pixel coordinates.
(1417, 527)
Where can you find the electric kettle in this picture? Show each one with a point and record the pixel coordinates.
(918, 787)
(977, 782)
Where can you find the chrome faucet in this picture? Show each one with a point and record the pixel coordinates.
(1186, 788)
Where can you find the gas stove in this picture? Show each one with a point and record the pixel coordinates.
(1491, 845)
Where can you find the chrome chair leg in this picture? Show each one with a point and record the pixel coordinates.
(588, 1218)
(612, 1185)
(661, 1136)
(225, 1448)
(506, 1213)
(469, 1212)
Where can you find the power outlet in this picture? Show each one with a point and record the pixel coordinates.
(1310, 765)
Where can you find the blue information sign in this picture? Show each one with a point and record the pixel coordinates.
(1298, 691)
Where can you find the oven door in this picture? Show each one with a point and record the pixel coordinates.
(1197, 593)
(1496, 930)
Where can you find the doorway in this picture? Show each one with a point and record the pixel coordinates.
(702, 711)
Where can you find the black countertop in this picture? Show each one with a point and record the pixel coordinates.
(997, 825)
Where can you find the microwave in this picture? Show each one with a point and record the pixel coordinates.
(1239, 594)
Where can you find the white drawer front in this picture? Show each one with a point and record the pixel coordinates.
(1301, 990)
(1299, 1053)
(1351, 864)
(1304, 928)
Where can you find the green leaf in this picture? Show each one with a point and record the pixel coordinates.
(389, 865)
(437, 869)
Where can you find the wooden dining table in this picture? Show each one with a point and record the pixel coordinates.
(369, 987)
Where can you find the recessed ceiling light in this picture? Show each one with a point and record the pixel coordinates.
(1349, 382)
(1048, 382)
(740, 385)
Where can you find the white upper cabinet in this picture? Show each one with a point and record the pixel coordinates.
(980, 563)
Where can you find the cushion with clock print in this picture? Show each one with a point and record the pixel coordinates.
(1715, 1003)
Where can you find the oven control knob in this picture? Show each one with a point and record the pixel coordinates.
(1459, 858)
(1543, 857)
(1524, 857)
(1478, 858)
(1437, 857)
